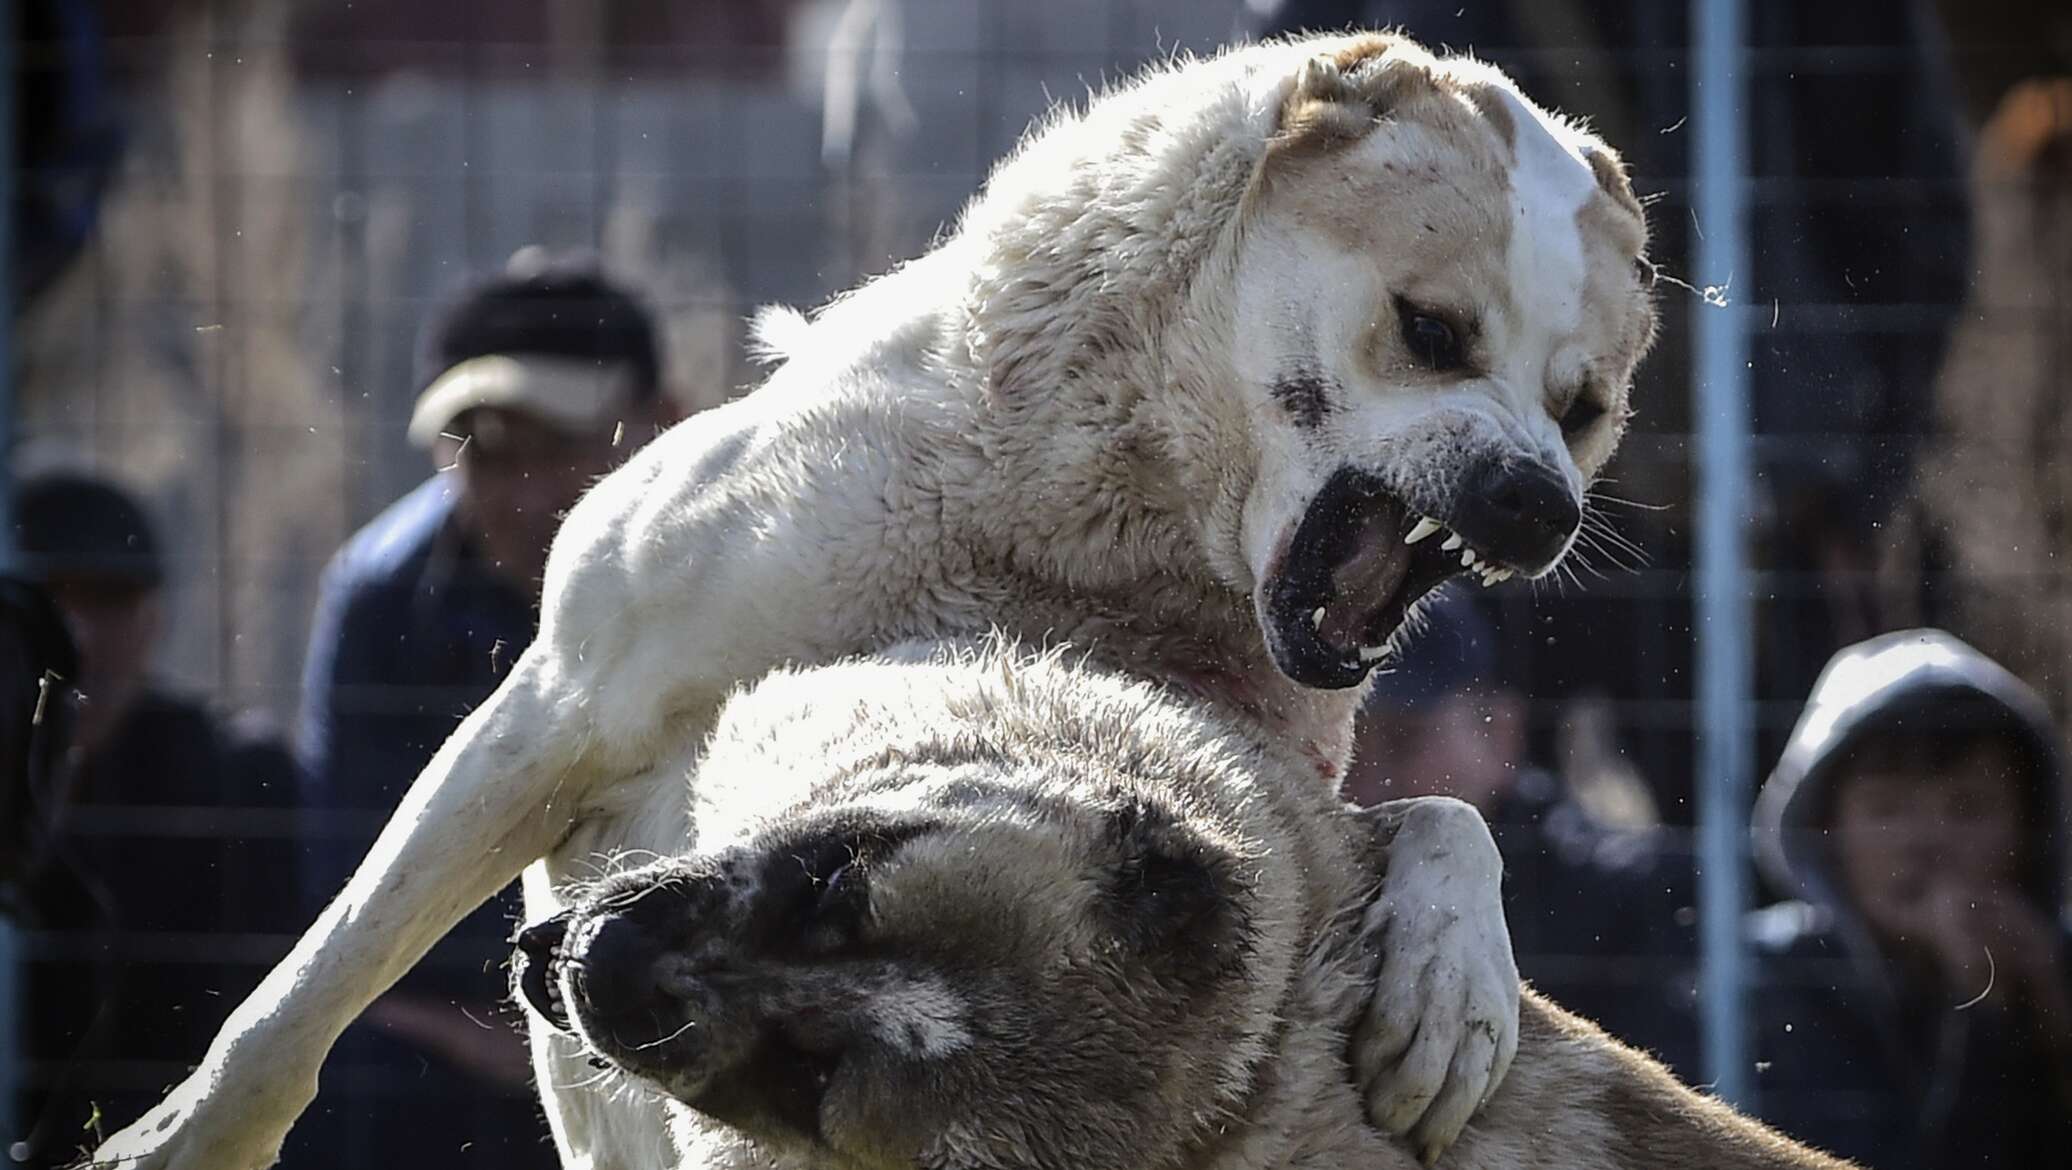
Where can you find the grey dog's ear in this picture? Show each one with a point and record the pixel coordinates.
(1173, 895)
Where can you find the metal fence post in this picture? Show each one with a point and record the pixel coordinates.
(10, 949)
(1719, 110)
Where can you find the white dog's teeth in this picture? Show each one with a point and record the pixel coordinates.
(1316, 618)
(1372, 653)
(1424, 527)
(1453, 541)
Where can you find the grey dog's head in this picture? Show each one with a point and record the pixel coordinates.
(927, 969)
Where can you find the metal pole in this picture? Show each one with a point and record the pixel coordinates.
(1719, 110)
(10, 948)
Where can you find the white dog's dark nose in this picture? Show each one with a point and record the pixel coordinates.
(1520, 513)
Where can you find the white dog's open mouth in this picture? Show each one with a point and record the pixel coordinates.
(1357, 563)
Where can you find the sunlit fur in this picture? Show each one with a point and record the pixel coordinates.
(1215, 1039)
(1054, 422)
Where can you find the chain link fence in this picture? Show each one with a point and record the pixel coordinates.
(284, 194)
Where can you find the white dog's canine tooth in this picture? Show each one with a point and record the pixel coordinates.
(1453, 541)
(1424, 527)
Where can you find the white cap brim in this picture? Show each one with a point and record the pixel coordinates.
(572, 395)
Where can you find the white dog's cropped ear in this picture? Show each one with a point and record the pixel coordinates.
(1337, 97)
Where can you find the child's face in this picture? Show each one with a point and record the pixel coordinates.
(1907, 828)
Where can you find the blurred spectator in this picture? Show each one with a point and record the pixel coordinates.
(38, 664)
(1980, 545)
(157, 868)
(37, 884)
(537, 383)
(1594, 910)
(1915, 1007)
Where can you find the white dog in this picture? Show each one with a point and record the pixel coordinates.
(1213, 381)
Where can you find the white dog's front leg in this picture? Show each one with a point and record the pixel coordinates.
(499, 794)
(1442, 1027)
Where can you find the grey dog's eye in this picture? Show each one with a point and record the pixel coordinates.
(842, 898)
(1430, 338)
(833, 885)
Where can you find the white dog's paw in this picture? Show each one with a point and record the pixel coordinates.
(1442, 1027)
(203, 1124)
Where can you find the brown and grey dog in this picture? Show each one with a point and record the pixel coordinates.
(991, 909)
(1213, 381)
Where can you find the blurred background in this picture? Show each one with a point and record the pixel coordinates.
(242, 232)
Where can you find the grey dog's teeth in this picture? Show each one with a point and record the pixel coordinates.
(1372, 653)
(1453, 541)
(1316, 617)
(1467, 558)
(1424, 527)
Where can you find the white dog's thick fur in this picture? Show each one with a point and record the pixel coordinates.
(1187, 372)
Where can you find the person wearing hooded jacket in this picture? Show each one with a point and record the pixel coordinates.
(1913, 1003)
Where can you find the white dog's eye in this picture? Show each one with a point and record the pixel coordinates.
(1431, 339)
(1584, 410)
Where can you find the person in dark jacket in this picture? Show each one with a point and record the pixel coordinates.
(153, 861)
(1914, 1003)
(537, 382)
(1594, 909)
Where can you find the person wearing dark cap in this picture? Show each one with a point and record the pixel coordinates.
(1593, 909)
(164, 872)
(535, 383)
(89, 545)
(38, 884)
(1914, 998)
